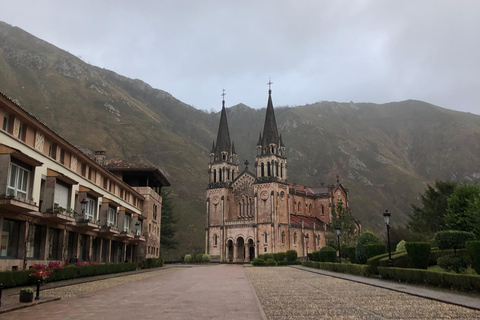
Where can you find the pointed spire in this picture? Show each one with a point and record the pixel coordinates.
(233, 148)
(223, 136)
(270, 132)
(259, 143)
(213, 147)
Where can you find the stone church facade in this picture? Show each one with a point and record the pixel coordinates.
(251, 213)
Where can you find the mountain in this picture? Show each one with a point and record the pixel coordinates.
(385, 154)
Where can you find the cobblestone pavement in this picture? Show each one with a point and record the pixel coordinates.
(207, 292)
(288, 293)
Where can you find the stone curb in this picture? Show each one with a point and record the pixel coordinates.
(28, 305)
(431, 294)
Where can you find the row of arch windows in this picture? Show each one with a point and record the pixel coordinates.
(271, 169)
(223, 175)
(245, 207)
(299, 208)
(265, 238)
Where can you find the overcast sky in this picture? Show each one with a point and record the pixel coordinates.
(361, 51)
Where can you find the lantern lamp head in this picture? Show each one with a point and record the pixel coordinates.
(386, 217)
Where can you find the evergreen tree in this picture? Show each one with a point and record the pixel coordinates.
(169, 222)
(342, 217)
(463, 209)
(429, 218)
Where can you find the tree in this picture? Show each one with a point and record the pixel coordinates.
(168, 223)
(429, 218)
(463, 208)
(342, 217)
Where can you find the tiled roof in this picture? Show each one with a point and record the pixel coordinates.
(307, 221)
(314, 190)
(124, 164)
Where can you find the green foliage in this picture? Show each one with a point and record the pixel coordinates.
(464, 209)
(453, 239)
(11, 279)
(464, 282)
(328, 254)
(429, 218)
(187, 258)
(258, 262)
(342, 217)
(168, 227)
(266, 256)
(206, 258)
(419, 253)
(473, 249)
(399, 260)
(355, 269)
(374, 262)
(374, 249)
(401, 246)
(435, 254)
(153, 263)
(365, 238)
(350, 251)
(199, 258)
(453, 263)
(316, 256)
(270, 262)
(280, 256)
(29, 290)
(343, 250)
(291, 255)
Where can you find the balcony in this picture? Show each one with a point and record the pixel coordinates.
(87, 225)
(125, 236)
(60, 216)
(19, 205)
(109, 230)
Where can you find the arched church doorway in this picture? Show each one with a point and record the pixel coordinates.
(251, 249)
(240, 249)
(229, 251)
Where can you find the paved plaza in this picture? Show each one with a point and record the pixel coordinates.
(234, 292)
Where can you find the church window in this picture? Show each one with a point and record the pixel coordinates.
(299, 206)
(228, 174)
(220, 175)
(318, 241)
(263, 170)
(295, 238)
(268, 169)
(283, 237)
(214, 175)
(215, 240)
(281, 170)
(323, 210)
(276, 169)
(310, 208)
(272, 149)
(266, 237)
(233, 174)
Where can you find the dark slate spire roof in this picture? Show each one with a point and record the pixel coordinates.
(270, 132)
(213, 147)
(223, 137)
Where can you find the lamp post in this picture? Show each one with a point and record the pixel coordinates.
(83, 204)
(306, 238)
(258, 248)
(337, 229)
(386, 218)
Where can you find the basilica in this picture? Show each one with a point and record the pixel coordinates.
(259, 211)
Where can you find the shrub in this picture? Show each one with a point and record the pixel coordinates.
(206, 258)
(453, 263)
(418, 252)
(266, 256)
(453, 239)
(187, 258)
(435, 254)
(355, 269)
(365, 238)
(343, 250)
(473, 249)
(153, 263)
(316, 256)
(374, 262)
(281, 256)
(291, 255)
(328, 254)
(399, 260)
(350, 251)
(400, 246)
(199, 258)
(11, 279)
(258, 262)
(270, 262)
(375, 249)
(463, 282)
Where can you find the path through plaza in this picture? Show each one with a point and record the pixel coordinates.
(226, 292)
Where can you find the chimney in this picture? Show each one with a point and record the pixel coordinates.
(100, 157)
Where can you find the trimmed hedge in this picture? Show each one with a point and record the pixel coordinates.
(280, 256)
(266, 256)
(328, 254)
(270, 262)
(374, 262)
(399, 260)
(258, 262)
(401, 246)
(187, 258)
(464, 282)
(419, 253)
(153, 263)
(291, 255)
(453, 263)
(22, 278)
(473, 249)
(206, 258)
(350, 252)
(435, 254)
(355, 269)
(374, 249)
(365, 238)
(453, 239)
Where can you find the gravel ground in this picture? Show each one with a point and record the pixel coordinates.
(287, 293)
(84, 288)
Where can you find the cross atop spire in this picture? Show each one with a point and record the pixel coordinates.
(270, 85)
(223, 97)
